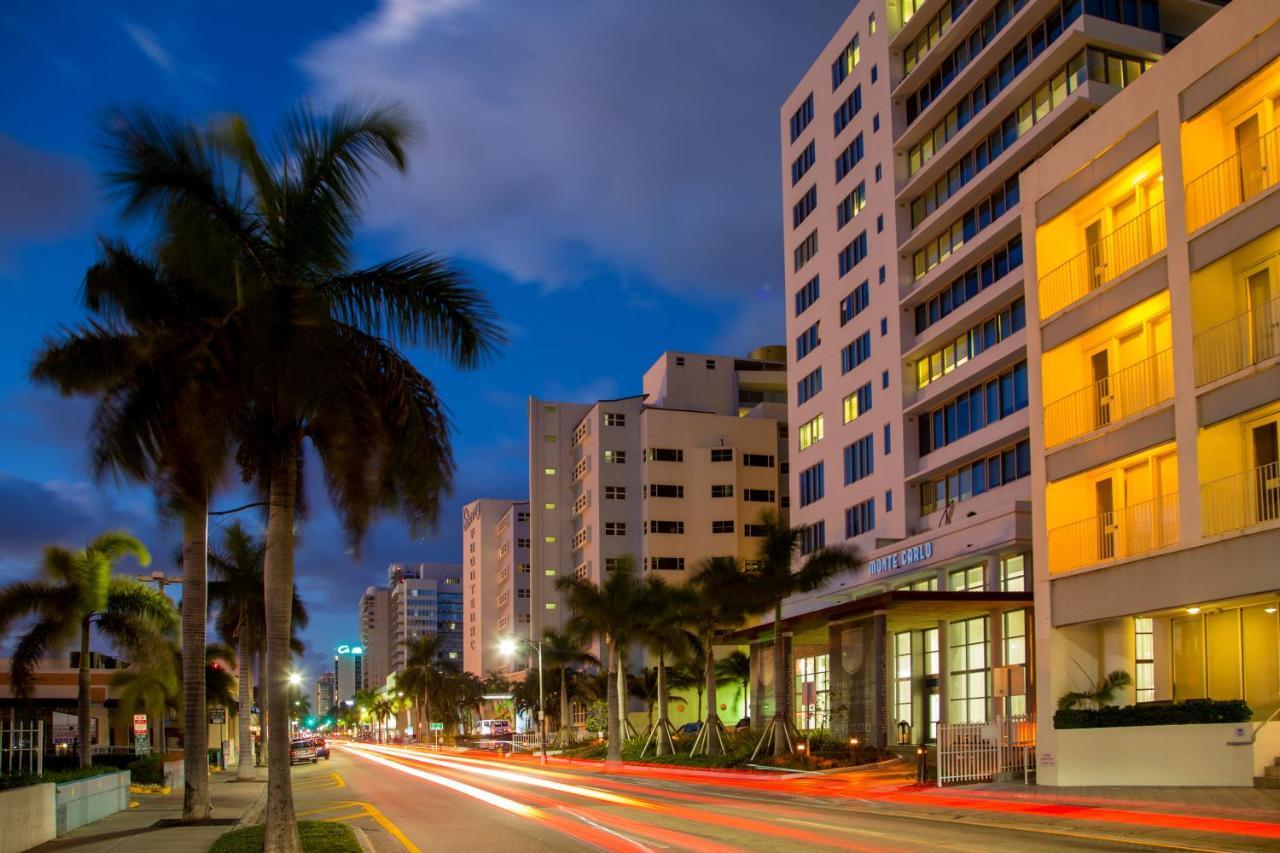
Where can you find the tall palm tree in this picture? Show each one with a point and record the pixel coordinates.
(775, 581)
(723, 594)
(421, 668)
(689, 674)
(561, 650)
(77, 594)
(606, 612)
(665, 614)
(735, 668)
(312, 342)
(152, 684)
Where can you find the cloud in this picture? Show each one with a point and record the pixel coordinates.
(42, 195)
(567, 141)
(145, 40)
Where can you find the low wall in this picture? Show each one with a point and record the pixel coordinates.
(29, 817)
(1158, 755)
(86, 800)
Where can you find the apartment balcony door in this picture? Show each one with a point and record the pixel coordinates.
(1263, 316)
(1266, 466)
(1128, 236)
(1103, 493)
(1252, 168)
(1138, 526)
(1097, 254)
(1100, 366)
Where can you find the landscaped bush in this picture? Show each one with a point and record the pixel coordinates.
(148, 770)
(55, 776)
(317, 837)
(1189, 712)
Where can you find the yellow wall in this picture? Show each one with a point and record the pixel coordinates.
(1218, 290)
(1066, 368)
(1073, 499)
(1223, 448)
(1209, 138)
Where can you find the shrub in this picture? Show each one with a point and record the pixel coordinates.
(55, 776)
(1188, 712)
(148, 770)
(317, 837)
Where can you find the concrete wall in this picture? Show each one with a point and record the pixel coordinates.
(29, 817)
(175, 774)
(1160, 755)
(84, 801)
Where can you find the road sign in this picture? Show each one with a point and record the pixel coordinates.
(141, 745)
(139, 724)
(437, 727)
(217, 716)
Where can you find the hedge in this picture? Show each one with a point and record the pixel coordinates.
(55, 776)
(1189, 712)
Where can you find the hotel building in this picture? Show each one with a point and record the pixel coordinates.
(375, 637)
(1153, 232)
(425, 598)
(907, 345)
(495, 560)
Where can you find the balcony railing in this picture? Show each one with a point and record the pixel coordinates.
(1241, 500)
(581, 502)
(1250, 171)
(1102, 262)
(1124, 532)
(1240, 342)
(1125, 392)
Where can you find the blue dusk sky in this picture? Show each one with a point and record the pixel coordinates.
(607, 171)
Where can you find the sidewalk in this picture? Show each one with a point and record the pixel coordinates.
(1258, 804)
(143, 830)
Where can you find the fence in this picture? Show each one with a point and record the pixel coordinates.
(1240, 342)
(1132, 389)
(1123, 532)
(1104, 260)
(978, 752)
(21, 747)
(1235, 180)
(1241, 500)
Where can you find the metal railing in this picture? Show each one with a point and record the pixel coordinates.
(1102, 262)
(1248, 172)
(977, 752)
(1125, 392)
(1241, 500)
(1240, 342)
(1123, 532)
(21, 747)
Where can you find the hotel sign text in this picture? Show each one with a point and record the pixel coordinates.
(901, 559)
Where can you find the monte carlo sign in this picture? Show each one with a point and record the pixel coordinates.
(901, 559)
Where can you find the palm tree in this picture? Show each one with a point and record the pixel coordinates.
(723, 593)
(381, 710)
(665, 614)
(561, 650)
(775, 582)
(362, 703)
(606, 612)
(152, 684)
(735, 668)
(77, 594)
(219, 683)
(689, 674)
(312, 343)
(421, 667)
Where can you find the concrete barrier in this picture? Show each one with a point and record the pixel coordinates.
(29, 817)
(86, 800)
(175, 774)
(1158, 755)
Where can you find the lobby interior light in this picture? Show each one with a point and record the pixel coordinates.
(1193, 610)
(1269, 610)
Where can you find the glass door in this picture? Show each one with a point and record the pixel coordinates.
(1262, 316)
(1266, 468)
(1252, 177)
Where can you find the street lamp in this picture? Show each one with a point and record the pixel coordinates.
(295, 678)
(508, 646)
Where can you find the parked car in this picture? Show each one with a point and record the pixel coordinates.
(690, 728)
(493, 728)
(303, 749)
(322, 747)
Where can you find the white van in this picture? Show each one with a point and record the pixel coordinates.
(492, 728)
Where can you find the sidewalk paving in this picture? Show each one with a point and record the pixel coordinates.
(1259, 804)
(140, 829)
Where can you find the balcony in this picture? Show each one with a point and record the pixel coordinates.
(580, 470)
(1252, 170)
(581, 503)
(1112, 398)
(1125, 532)
(1242, 500)
(1103, 260)
(1243, 341)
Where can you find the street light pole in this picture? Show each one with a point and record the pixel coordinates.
(542, 713)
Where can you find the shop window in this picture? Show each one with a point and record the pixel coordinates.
(902, 677)
(967, 656)
(966, 580)
(812, 694)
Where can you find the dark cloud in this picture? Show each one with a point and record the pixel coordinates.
(42, 195)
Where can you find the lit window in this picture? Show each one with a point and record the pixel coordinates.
(1013, 573)
(550, 472)
(550, 439)
(1144, 659)
(550, 605)
(548, 539)
(549, 506)
(811, 432)
(966, 580)
(550, 573)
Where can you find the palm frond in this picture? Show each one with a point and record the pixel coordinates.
(44, 637)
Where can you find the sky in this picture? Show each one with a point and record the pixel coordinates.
(606, 171)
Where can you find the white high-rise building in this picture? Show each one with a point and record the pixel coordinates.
(425, 598)
(495, 561)
(375, 637)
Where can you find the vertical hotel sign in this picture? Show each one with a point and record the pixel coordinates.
(470, 514)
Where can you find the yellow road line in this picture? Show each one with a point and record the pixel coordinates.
(390, 827)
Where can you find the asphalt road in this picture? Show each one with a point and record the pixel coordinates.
(405, 798)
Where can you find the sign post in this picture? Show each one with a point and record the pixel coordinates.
(436, 729)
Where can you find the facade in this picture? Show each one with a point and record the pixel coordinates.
(324, 701)
(348, 671)
(667, 477)
(425, 598)
(907, 347)
(375, 636)
(1154, 233)
(495, 554)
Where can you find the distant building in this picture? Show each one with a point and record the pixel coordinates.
(348, 671)
(425, 598)
(324, 702)
(495, 559)
(375, 636)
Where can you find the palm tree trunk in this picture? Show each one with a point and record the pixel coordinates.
(260, 672)
(622, 691)
(564, 706)
(82, 697)
(712, 725)
(613, 755)
(700, 688)
(281, 834)
(244, 696)
(195, 614)
(661, 734)
(779, 684)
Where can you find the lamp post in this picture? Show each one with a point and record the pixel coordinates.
(509, 646)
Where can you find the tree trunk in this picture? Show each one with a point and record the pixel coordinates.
(613, 754)
(564, 704)
(85, 738)
(779, 684)
(699, 688)
(195, 615)
(281, 823)
(622, 692)
(260, 672)
(712, 725)
(661, 734)
(244, 696)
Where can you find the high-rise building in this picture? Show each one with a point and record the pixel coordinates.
(348, 671)
(425, 598)
(901, 151)
(1153, 231)
(495, 560)
(324, 701)
(667, 477)
(375, 637)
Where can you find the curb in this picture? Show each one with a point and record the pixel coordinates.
(253, 814)
(363, 840)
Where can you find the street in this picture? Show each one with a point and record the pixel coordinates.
(407, 798)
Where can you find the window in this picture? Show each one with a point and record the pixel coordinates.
(859, 460)
(664, 564)
(711, 364)
(855, 303)
(973, 409)
(522, 542)
(806, 250)
(1014, 641)
(971, 343)
(813, 693)
(615, 419)
(664, 454)
(855, 353)
(860, 518)
(665, 490)
(1144, 653)
(548, 506)
(851, 205)
(806, 295)
(615, 457)
(721, 454)
(1013, 573)
(811, 432)
(967, 226)
(811, 484)
(884, 327)
(888, 500)
(613, 563)
(550, 605)
(858, 403)
(549, 439)
(753, 530)
(971, 579)
(882, 275)
(852, 254)
(807, 341)
(845, 63)
(759, 495)
(722, 526)
(676, 527)
(801, 117)
(924, 584)
(879, 173)
(550, 572)
(615, 493)
(884, 379)
(722, 490)
(969, 284)
(803, 163)
(967, 655)
(970, 480)
(549, 539)
(849, 157)
(757, 460)
(902, 677)
(801, 209)
(550, 472)
(871, 23)
(846, 112)
(875, 119)
(812, 537)
(679, 361)
(887, 432)
(522, 593)
(615, 528)
(810, 385)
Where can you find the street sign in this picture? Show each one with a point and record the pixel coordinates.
(141, 745)
(217, 716)
(437, 727)
(139, 724)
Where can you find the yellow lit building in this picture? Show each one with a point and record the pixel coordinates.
(1153, 230)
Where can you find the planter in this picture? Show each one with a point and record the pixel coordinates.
(1193, 755)
(174, 774)
(86, 800)
(29, 817)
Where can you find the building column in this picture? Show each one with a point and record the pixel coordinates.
(839, 682)
(995, 658)
(991, 581)
(944, 673)
(880, 679)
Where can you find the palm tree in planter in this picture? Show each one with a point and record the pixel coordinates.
(724, 592)
(77, 595)
(665, 614)
(735, 668)
(419, 675)
(561, 650)
(311, 345)
(606, 612)
(775, 581)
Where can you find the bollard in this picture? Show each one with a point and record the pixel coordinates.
(853, 750)
(922, 770)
